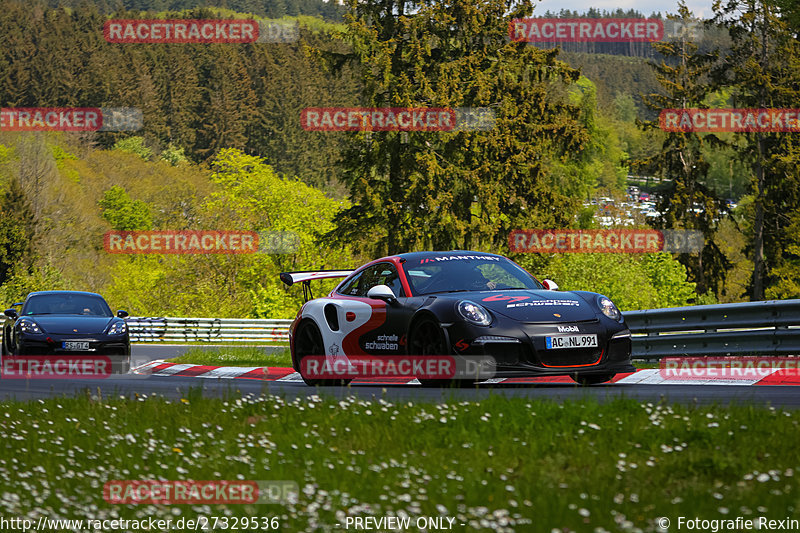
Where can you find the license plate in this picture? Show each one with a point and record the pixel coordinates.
(571, 341)
(74, 345)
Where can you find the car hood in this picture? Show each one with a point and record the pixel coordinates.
(538, 306)
(66, 324)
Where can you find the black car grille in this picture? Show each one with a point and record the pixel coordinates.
(619, 349)
(504, 353)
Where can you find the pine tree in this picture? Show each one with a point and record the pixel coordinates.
(179, 94)
(442, 190)
(762, 69)
(17, 50)
(17, 231)
(227, 108)
(684, 77)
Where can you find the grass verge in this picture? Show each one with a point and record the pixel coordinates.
(235, 356)
(501, 464)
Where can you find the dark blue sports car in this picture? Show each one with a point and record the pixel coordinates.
(65, 322)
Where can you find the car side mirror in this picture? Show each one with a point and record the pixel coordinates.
(11, 313)
(381, 292)
(550, 285)
(122, 314)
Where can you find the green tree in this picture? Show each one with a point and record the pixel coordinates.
(228, 102)
(124, 213)
(600, 163)
(28, 278)
(687, 203)
(435, 190)
(787, 274)
(761, 68)
(174, 156)
(17, 232)
(134, 145)
(790, 12)
(247, 195)
(633, 282)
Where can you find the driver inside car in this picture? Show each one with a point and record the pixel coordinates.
(472, 278)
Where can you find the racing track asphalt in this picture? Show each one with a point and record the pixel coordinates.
(175, 387)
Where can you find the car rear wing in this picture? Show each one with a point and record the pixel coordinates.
(307, 276)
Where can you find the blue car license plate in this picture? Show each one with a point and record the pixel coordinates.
(75, 345)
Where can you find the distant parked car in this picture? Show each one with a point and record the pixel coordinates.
(644, 197)
(65, 322)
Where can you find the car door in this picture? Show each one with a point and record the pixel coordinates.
(387, 338)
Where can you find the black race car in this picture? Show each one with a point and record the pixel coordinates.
(461, 303)
(65, 322)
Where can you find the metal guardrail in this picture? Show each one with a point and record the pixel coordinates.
(769, 328)
(174, 329)
(752, 328)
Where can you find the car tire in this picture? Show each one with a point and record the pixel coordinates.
(12, 348)
(4, 350)
(428, 338)
(308, 342)
(592, 379)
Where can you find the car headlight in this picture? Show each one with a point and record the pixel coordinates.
(118, 328)
(474, 313)
(27, 325)
(608, 308)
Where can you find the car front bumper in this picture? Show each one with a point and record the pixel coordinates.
(520, 350)
(53, 345)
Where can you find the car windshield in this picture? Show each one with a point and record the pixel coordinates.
(66, 304)
(457, 273)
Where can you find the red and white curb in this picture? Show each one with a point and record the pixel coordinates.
(649, 376)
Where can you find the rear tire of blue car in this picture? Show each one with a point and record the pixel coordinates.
(308, 342)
